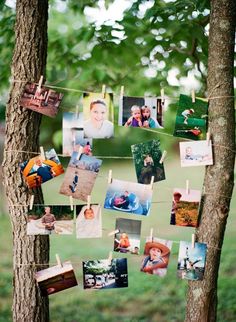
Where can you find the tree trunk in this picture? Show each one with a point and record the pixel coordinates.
(219, 178)
(22, 134)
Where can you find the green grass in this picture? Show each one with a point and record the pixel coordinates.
(148, 298)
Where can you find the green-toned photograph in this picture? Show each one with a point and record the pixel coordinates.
(147, 158)
(191, 118)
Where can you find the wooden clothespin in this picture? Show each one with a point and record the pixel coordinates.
(31, 202)
(58, 261)
(122, 91)
(71, 203)
(187, 187)
(88, 202)
(162, 96)
(203, 190)
(81, 150)
(193, 96)
(77, 111)
(163, 156)
(152, 181)
(110, 257)
(40, 82)
(113, 232)
(151, 234)
(208, 137)
(109, 177)
(103, 91)
(42, 153)
(193, 240)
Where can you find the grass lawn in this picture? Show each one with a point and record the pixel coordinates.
(148, 298)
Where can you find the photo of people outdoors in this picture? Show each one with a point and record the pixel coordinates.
(191, 261)
(47, 220)
(41, 99)
(157, 253)
(147, 158)
(37, 171)
(185, 206)
(127, 236)
(73, 135)
(55, 279)
(80, 176)
(195, 153)
(128, 197)
(88, 221)
(105, 273)
(145, 112)
(98, 115)
(191, 118)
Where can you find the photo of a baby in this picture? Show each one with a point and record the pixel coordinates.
(196, 153)
(88, 221)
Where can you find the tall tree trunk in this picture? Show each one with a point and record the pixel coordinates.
(22, 134)
(219, 178)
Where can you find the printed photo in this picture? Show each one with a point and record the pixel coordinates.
(145, 112)
(55, 279)
(37, 171)
(127, 239)
(157, 253)
(105, 273)
(191, 261)
(47, 220)
(98, 115)
(73, 135)
(129, 197)
(147, 158)
(191, 118)
(185, 206)
(195, 153)
(88, 221)
(42, 100)
(80, 176)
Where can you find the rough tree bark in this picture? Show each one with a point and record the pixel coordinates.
(22, 134)
(219, 178)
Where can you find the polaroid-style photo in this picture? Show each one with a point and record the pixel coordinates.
(73, 134)
(195, 153)
(191, 118)
(47, 220)
(37, 171)
(191, 261)
(145, 112)
(129, 197)
(147, 158)
(80, 176)
(157, 253)
(98, 115)
(55, 279)
(185, 206)
(127, 236)
(105, 273)
(41, 99)
(88, 221)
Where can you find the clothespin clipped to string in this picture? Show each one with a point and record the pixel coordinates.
(152, 181)
(110, 257)
(42, 153)
(122, 88)
(77, 111)
(193, 240)
(163, 156)
(40, 83)
(109, 177)
(162, 96)
(151, 234)
(88, 202)
(71, 203)
(31, 202)
(193, 96)
(103, 91)
(187, 187)
(81, 150)
(59, 263)
(113, 232)
(208, 137)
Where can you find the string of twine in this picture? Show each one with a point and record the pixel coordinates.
(83, 91)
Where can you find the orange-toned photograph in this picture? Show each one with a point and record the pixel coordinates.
(37, 171)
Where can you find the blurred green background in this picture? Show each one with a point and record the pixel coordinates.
(145, 46)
